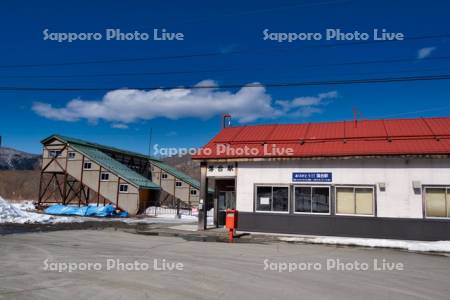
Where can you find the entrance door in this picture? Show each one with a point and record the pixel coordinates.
(226, 200)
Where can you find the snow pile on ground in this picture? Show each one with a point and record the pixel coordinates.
(26, 213)
(418, 246)
(9, 211)
(17, 213)
(27, 205)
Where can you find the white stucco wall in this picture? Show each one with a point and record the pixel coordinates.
(398, 199)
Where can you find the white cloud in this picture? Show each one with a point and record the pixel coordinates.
(306, 106)
(119, 125)
(122, 107)
(425, 52)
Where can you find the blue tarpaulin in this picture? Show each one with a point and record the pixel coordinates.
(91, 211)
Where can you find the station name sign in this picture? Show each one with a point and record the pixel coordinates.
(312, 177)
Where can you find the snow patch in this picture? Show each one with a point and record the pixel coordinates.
(418, 246)
(8, 211)
(26, 205)
(18, 213)
(25, 213)
(185, 227)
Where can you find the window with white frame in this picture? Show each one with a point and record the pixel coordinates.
(272, 198)
(54, 153)
(178, 183)
(104, 176)
(71, 155)
(353, 200)
(164, 176)
(437, 202)
(87, 165)
(312, 199)
(123, 188)
(193, 192)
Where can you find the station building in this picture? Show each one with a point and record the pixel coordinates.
(360, 178)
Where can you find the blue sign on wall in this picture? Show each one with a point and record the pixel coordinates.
(312, 176)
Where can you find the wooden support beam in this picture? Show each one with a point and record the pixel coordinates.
(98, 186)
(81, 180)
(202, 209)
(40, 189)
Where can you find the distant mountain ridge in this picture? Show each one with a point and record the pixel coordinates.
(12, 159)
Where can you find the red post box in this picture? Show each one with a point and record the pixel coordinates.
(231, 222)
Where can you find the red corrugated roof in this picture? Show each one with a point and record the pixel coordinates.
(332, 139)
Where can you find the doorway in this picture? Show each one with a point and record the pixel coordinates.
(225, 199)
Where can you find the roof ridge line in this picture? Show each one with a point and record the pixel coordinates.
(98, 146)
(116, 172)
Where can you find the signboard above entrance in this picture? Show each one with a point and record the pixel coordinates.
(312, 177)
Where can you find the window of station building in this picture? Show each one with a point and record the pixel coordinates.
(193, 192)
(71, 155)
(54, 153)
(123, 188)
(437, 202)
(87, 165)
(178, 183)
(355, 200)
(312, 199)
(272, 199)
(104, 176)
(164, 175)
(230, 168)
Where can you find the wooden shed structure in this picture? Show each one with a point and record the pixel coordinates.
(75, 171)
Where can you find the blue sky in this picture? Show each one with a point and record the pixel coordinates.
(194, 116)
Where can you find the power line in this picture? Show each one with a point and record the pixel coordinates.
(350, 63)
(271, 9)
(412, 112)
(250, 85)
(123, 74)
(216, 53)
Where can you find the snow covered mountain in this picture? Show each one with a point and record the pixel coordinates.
(11, 159)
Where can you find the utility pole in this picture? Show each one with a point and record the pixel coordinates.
(356, 114)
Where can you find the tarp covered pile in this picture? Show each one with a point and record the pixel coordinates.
(91, 211)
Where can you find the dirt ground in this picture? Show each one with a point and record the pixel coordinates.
(32, 267)
(19, 185)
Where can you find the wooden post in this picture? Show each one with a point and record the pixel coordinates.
(65, 175)
(40, 189)
(216, 205)
(88, 195)
(117, 193)
(98, 186)
(189, 196)
(202, 209)
(81, 180)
